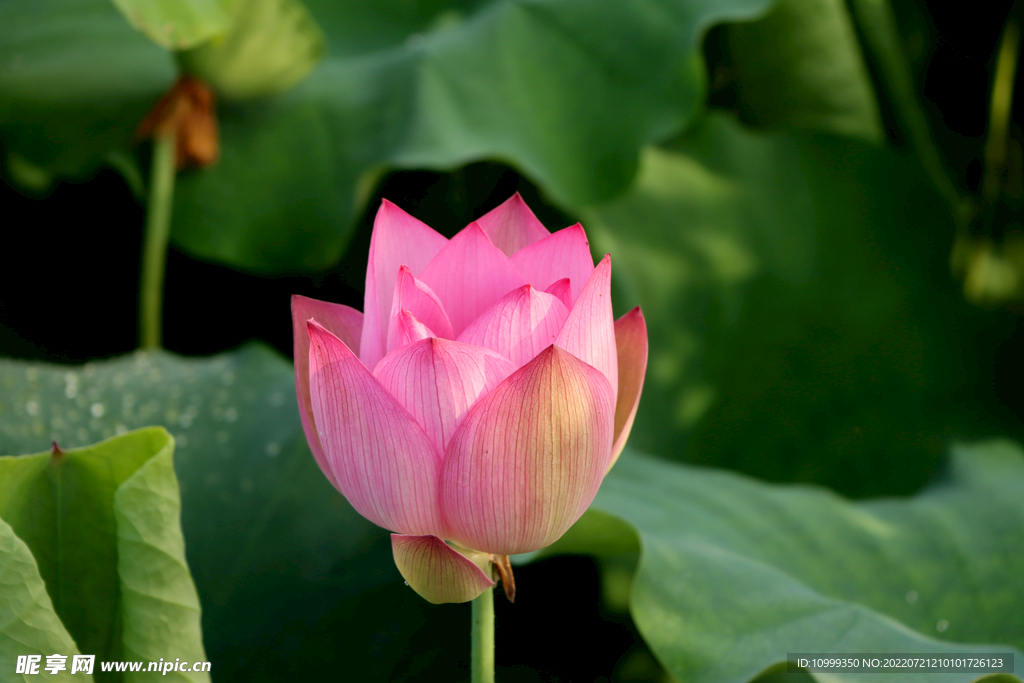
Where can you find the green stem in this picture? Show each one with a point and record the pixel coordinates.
(482, 641)
(154, 246)
(999, 111)
(878, 25)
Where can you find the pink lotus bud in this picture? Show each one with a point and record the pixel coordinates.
(476, 404)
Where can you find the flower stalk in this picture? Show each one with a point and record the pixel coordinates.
(157, 232)
(183, 126)
(482, 638)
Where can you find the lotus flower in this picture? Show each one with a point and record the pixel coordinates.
(477, 402)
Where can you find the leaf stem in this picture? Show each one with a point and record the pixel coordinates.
(878, 25)
(154, 246)
(999, 110)
(482, 638)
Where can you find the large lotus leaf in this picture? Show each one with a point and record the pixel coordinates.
(288, 575)
(237, 435)
(734, 574)
(28, 624)
(159, 603)
(801, 314)
(801, 67)
(103, 525)
(566, 90)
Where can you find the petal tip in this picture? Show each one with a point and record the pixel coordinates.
(313, 327)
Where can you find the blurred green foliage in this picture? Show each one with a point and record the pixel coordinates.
(179, 25)
(799, 67)
(270, 47)
(799, 304)
(403, 84)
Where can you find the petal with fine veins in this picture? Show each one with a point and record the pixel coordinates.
(589, 331)
(346, 324)
(398, 240)
(565, 253)
(529, 457)
(438, 381)
(519, 326)
(563, 290)
(419, 300)
(382, 461)
(512, 225)
(405, 330)
(469, 275)
(631, 342)
(436, 571)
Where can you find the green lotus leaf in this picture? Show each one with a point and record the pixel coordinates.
(102, 523)
(735, 574)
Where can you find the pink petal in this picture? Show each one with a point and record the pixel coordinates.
(398, 240)
(565, 253)
(436, 571)
(519, 326)
(438, 381)
(469, 275)
(382, 461)
(529, 457)
(415, 297)
(631, 342)
(512, 226)
(563, 290)
(406, 329)
(589, 331)
(346, 324)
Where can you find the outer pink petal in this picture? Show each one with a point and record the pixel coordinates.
(512, 226)
(519, 326)
(382, 461)
(438, 381)
(563, 290)
(589, 331)
(406, 329)
(436, 571)
(529, 457)
(418, 299)
(565, 253)
(398, 240)
(346, 324)
(631, 342)
(469, 275)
